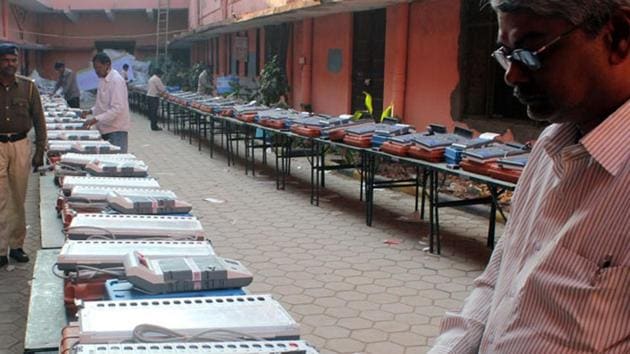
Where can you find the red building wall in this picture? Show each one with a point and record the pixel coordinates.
(332, 91)
(432, 62)
(63, 36)
(429, 76)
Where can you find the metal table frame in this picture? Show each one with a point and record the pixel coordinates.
(233, 130)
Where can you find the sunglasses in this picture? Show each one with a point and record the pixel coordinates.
(528, 58)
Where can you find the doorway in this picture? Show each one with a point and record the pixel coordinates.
(368, 59)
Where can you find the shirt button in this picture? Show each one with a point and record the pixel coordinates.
(537, 246)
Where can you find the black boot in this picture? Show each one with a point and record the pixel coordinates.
(19, 255)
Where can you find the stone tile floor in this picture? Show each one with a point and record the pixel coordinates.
(350, 291)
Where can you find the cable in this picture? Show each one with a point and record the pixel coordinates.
(61, 276)
(92, 271)
(111, 235)
(74, 345)
(147, 333)
(64, 166)
(85, 272)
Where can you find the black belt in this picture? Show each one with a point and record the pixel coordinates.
(9, 138)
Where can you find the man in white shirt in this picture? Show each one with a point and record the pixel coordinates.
(205, 84)
(111, 110)
(154, 90)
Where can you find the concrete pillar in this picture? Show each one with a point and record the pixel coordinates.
(306, 60)
(398, 24)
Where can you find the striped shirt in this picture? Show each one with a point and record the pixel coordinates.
(559, 278)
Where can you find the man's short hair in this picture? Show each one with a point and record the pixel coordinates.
(59, 65)
(102, 58)
(125, 66)
(591, 15)
(158, 72)
(8, 48)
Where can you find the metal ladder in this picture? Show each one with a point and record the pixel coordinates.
(161, 32)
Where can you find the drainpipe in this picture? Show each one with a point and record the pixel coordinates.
(306, 61)
(400, 59)
(5, 19)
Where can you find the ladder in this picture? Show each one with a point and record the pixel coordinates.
(161, 32)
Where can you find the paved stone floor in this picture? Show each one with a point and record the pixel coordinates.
(349, 290)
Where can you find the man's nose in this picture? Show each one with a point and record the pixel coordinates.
(516, 74)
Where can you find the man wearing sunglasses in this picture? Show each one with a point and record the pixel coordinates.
(559, 278)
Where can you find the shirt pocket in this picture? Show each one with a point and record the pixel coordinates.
(19, 108)
(586, 302)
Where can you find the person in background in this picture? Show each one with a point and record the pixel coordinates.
(205, 83)
(154, 90)
(125, 72)
(110, 113)
(558, 280)
(23, 111)
(67, 82)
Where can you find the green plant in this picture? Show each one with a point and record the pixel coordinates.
(369, 109)
(273, 83)
(175, 72)
(388, 112)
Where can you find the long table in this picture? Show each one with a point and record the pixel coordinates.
(206, 125)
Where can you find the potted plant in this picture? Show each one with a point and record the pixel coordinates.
(273, 84)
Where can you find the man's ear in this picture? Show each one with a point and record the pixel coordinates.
(618, 37)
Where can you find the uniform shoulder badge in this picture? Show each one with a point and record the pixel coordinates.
(25, 78)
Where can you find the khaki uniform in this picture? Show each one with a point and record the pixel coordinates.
(20, 110)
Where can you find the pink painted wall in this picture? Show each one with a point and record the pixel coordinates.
(238, 7)
(193, 13)
(332, 91)
(128, 26)
(211, 11)
(20, 26)
(74, 59)
(110, 4)
(396, 41)
(91, 27)
(432, 70)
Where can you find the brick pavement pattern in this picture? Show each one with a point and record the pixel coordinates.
(350, 292)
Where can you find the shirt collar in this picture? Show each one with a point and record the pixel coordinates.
(15, 82)
(560, 136)
(608, 142)
(109, 75)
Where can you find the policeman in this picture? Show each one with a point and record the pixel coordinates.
(20, 110)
